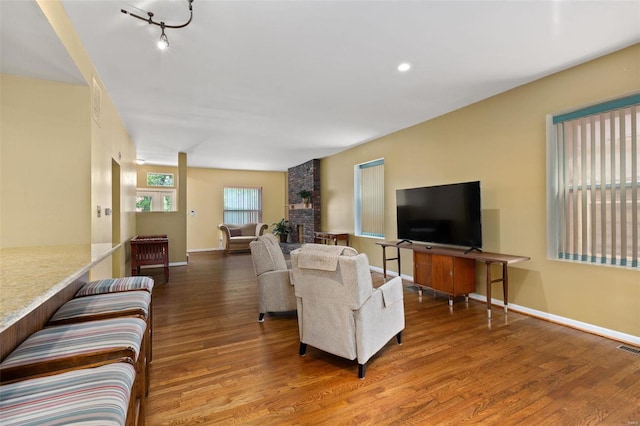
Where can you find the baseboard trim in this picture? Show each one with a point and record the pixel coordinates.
(578, 325)
(557, 319)
(392, 273)
(205, 249)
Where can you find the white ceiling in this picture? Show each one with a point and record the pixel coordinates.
(29, 46)
(270, 84)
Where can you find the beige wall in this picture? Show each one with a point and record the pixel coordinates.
(172, 224)
(45, 158)
(206, 194)
(67, 147)
(502, 142)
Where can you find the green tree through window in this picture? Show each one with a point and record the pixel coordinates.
(143, 204)
(159, 179)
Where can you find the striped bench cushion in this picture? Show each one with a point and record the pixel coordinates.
(130, 302)
(64, 341)
(113, 285)
(92, 396)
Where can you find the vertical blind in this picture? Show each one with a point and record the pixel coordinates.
(371, 199)
(598, 183)
(242, 205)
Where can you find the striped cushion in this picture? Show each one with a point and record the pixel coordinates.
(126, 302)
(92, 396)
(63, 341)
(113, 285)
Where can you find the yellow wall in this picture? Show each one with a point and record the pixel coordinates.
(206, 194)
(502, 142)
(74, 153)
(171, 224)
(44, 126)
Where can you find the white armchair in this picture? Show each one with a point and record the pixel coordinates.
(339, 311)
(238, 237)
(275, 291)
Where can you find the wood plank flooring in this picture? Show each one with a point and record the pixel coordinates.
(213, 363)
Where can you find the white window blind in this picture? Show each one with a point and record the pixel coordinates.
(242, 205)
(596, 183)
(369, 199)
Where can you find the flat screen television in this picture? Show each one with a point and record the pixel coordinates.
(443, 214)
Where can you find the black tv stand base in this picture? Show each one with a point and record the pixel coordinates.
(470, 249)
(404, 241)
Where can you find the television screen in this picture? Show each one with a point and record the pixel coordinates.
(443, 214)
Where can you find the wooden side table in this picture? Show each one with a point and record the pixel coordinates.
(326, 237)
(425, 268)
(150, 250)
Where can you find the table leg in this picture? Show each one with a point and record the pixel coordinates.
(384, 262)
(505, 286)
(488, 289)
(385, 259)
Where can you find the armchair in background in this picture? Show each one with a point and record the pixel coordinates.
(238, 237)
(275, 291)
(339, 311)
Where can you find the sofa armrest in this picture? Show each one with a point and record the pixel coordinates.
(260, 228)
(225, 230)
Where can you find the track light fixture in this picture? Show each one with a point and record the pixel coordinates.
(163, 43)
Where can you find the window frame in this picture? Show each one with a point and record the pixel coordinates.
(157, 199)
(152, 185)
(379, 215)
(254, 215)
(596, 197)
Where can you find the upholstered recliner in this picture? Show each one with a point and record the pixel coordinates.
(339, 311)
(275, 291)
(238, 237)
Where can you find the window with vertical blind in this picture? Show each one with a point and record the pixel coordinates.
(594, 184)
(369, 199)
(242, 205)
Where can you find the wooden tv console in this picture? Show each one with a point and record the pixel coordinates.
(451, 271)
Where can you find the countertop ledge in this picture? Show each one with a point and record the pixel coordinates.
(31, 275)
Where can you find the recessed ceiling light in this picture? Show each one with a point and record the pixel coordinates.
(404, 67)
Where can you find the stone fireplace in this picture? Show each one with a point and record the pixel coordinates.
(304, 221)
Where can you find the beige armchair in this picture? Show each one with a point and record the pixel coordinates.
(238, 237)
(339, 311)
(275, 291)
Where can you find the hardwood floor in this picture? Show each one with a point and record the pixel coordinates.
(213, 363)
